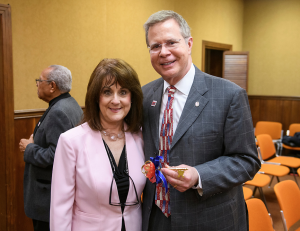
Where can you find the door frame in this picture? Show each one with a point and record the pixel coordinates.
(213, 46)
(7, 192)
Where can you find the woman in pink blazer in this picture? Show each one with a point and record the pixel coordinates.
(97, 181)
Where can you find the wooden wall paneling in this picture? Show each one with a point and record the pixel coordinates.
(295, 114)
(255, 109)
(286, 113)
(270, 110)
(25, 122)
(24, 128)
(285, 110)
(7, 192)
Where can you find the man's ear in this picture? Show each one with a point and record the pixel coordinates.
(53, 87)
(190, 44)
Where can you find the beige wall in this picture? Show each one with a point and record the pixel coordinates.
(272, 36)
(213, 20)
(78, 34)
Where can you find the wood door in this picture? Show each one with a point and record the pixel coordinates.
(235, 67)
(7, 164)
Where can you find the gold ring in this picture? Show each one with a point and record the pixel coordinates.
(175, 186)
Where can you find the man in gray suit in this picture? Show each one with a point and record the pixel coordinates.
(63, 113)
(211, 134)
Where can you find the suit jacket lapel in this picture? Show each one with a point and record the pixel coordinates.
(191, 111)
(154, 112)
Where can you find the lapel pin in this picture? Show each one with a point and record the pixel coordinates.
(197, 104)
(153, 103)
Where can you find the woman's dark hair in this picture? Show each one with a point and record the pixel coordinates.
(107, 73)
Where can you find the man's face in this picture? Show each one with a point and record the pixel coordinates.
(44, 87)
(171, 64)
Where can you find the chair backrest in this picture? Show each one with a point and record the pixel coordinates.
(259, 219)
(247, 193)
(293, 129)
(288, 196)
(271, 128)
(266, 145)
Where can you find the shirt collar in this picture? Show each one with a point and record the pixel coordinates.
(56, 99)
(185, 84)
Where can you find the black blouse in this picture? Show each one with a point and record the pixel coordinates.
(121, 178)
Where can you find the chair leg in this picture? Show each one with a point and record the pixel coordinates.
(271, 181)
(263, 198)
(254, 190)
(294, 173)
(278, 151)
(277, 179)
(283, 221)
(281, 147)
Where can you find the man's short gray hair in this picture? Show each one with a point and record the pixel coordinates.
(61, 76)
(164, 15)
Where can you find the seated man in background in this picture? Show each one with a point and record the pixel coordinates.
(63, 113)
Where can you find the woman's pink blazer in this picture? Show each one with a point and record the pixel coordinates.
(81, 183)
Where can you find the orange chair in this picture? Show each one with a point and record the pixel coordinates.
(259, 218)
(274, 129)
(293, 128)
(271, 169)
(267, 151)
(288, 196)
(259, 181)
(247, 193)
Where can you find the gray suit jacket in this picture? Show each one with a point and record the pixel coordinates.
(64, 115)
(217, 139)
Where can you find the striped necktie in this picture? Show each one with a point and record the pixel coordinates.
(162, 199)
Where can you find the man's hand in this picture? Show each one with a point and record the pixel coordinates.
(24, 142)
(182, 184)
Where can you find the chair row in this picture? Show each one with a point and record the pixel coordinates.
(271, 164)
(288, 196)
(274, 129)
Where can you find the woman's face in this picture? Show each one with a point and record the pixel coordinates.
(114, 104)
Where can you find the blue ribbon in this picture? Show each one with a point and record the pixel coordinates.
(158, 175)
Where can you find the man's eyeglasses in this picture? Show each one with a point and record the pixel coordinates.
(171, 44)
(40, 80)
(126, 203)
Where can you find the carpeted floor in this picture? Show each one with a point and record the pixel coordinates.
(272, 201)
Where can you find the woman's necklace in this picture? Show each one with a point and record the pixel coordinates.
(113, 136)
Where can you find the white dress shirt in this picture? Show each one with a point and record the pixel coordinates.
(182, 91)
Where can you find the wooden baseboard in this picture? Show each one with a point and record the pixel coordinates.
(31, 113)
(267, 97)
